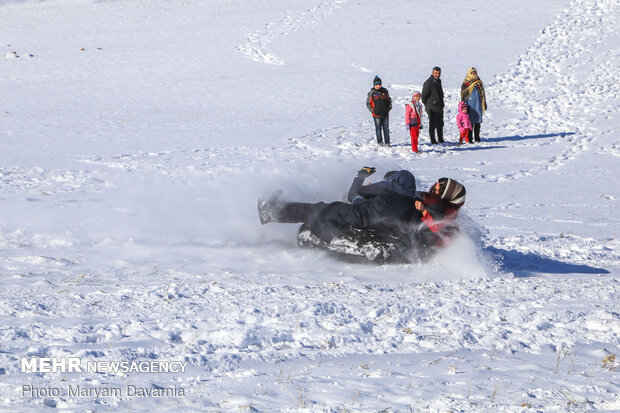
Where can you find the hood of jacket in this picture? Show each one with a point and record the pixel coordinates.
(401, 182)
(461, 106)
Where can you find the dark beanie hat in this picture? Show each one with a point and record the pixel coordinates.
(388, 174)
(377, 81)
(451, 191)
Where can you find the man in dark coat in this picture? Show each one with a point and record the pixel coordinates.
(386, 206)
(432, 97)
(379, 104)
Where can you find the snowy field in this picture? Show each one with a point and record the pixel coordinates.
(136, 137)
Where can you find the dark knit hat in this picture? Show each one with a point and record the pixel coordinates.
(377, 81)
(451, 191)
(388, 174)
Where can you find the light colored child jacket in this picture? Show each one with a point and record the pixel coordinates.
(413, 110)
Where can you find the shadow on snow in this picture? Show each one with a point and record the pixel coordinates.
(522, 138)
(449, 146)
(475, 147)
(466, 146)
(529, 264)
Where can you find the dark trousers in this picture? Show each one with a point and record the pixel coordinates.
(325, 220)
(477, 132)
(382, 124)
(435, 123)
(291, 212)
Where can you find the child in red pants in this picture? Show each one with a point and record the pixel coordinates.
(413, 119)
(463, 123)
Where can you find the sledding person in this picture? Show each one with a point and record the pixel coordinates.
(384, 206)
(464, 124)
(432, 97)
(472, 93)
(413, 119)
(379, 104)
(440, 207)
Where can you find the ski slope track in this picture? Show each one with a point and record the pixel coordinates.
(129, 229)
(256, 46)
(551, 98)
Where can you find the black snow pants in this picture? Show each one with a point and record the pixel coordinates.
(325, 220)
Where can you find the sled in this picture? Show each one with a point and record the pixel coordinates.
(365, 245)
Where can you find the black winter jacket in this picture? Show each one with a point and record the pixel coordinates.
(432, 95)
(386, 206)
(379, 102)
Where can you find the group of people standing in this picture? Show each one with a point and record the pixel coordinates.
(471, 109)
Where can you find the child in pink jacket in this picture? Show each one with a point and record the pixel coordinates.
(413, 119)
(463, 123)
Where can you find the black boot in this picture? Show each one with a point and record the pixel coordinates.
(440, 135)
(431, 134)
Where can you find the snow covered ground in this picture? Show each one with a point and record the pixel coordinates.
(136, 136)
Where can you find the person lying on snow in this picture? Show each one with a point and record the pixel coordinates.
(440, 207)
(383, 206)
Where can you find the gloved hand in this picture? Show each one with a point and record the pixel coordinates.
(366, 171)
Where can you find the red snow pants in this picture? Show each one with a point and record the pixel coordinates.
(414, 133)
(466, 134)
